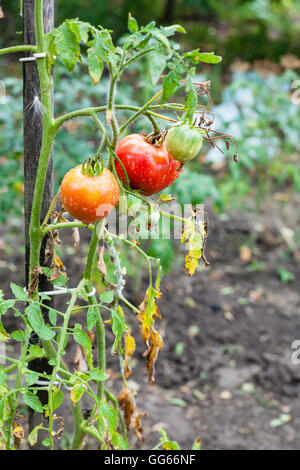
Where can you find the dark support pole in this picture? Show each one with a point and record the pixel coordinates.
(32, 146)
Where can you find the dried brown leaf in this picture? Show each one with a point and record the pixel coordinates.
(80, 359)
(155, 344)
(76, 238)
(100, 261)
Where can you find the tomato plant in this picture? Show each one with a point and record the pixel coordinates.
(147, 169)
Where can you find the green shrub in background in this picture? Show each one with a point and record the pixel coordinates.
(260, 114)
(246, 29)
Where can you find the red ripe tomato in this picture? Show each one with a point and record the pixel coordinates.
(89, 198)
(149, 168)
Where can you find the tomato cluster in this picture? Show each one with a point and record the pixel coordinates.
(149, 168)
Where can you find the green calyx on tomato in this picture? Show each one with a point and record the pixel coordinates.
(183, 142)
(92, 167)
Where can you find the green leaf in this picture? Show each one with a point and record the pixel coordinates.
(177, 402)
(132, 24)
(36, 321)
(34, 316)
(19, 292)
(35, 351)
(156, 63)
(57, 398)
(191, 99)
(156, 33)
(46, 442)
(52, 316)
(5, 305)
(119, 442)
(3, 375)
(107, 297)
(32, 437)
(31, 378)
(98, 375)
(95, 65)
(80, 29)
(285, 275)
(45, 332)
(83, 339)
(170, 30)
(118, 327)
(209, 57)
(169, 83)
(92, 317)
(33, 402)
(67, 45)
(110, 415)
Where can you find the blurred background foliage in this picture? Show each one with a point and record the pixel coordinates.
(253, 29)
(260, 43)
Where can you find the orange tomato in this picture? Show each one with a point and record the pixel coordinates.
(89, 198)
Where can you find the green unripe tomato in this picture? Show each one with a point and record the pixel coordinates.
(183, 142)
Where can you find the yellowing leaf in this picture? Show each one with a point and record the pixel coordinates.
(77, 392)
(18, 432)
(129, 350)
(148, 311)
(195, 234)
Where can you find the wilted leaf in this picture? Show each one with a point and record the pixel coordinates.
(32, 437)
(126, 404)
(148, 311)
(197, 444)
(80, 359)
(129, 350)
(132, 416)
(155, 344)
(18, 433)
(100, 262)
(4, 336)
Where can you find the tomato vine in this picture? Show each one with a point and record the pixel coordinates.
(105, 422)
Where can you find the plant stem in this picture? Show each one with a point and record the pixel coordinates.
(110, 112)
(100, 329)
(49, 132)
(140, 111)
(24, 48)
(18, 383)
(60, 349)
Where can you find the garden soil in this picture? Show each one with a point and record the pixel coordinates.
(225, 373)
